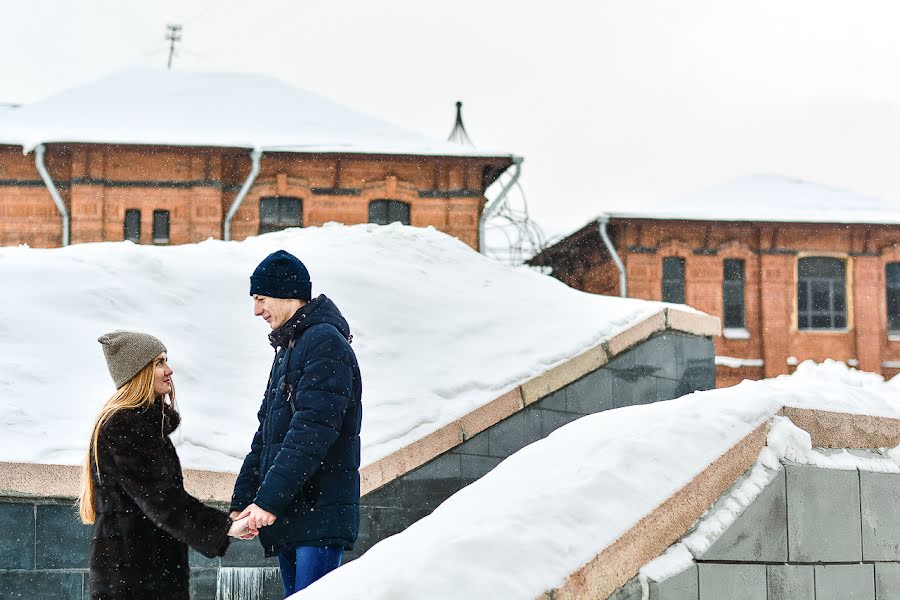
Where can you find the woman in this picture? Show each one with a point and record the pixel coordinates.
(132, 488)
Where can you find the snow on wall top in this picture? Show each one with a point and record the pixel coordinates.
(772, 198)
(549, 509)
(211, 109)
(438, 328)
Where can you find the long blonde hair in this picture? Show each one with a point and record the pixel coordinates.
(136, 393)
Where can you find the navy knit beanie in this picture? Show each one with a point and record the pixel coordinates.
(281, 275)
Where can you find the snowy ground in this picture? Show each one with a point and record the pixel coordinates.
(550, 508)
(439, 330)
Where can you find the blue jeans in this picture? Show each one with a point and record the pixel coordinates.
(304, 565)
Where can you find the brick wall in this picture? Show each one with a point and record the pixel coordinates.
(770, 253)
(198, 185)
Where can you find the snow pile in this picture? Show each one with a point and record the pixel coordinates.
(439, 331)
(549, 509)
(235, 110)
(772, 198)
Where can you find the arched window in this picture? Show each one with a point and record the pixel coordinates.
(673, 279)
(384, 212)
(892, 279)
(160, 227)
(133, 225)
(733, 293)
(279, 212)
(821, 293)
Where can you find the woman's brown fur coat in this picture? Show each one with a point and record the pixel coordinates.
(145, 519)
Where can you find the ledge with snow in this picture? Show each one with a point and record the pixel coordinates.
(464, 361)
(778, 489)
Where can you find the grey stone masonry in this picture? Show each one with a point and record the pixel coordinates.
(760, 533)
(812, 534)
(665, 366)
(44, 551)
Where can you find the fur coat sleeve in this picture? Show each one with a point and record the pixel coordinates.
(143, 462)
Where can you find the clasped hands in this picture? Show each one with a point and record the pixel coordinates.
(247, 522)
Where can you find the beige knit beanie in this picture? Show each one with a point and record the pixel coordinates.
(127, 352)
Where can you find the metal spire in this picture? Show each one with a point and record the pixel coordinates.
(459, 134)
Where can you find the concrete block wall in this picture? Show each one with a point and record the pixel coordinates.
(667, 365)
(812, 534)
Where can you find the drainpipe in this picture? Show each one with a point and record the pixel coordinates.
(255, 157)
(490, 210)
(54, 193)
(623, 281)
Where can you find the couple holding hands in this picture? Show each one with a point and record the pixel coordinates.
(298, 488)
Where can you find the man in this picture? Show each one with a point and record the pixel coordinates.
(299, 484)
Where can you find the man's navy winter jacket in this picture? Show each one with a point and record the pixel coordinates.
(303, 464)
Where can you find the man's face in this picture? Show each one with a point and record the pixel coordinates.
(162, 375)
(275, 311)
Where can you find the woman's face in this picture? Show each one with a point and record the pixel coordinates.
(162, 375)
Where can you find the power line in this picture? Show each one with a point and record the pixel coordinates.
(173, 35)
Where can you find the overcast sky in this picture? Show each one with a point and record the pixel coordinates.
(612, 104)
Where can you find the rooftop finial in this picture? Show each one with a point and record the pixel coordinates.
(459, 134)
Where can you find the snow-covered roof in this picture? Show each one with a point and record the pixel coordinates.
(771, 198)
(439, 329)
(211, 109)
(547, 511)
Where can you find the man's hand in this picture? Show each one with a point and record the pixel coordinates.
(258, 518)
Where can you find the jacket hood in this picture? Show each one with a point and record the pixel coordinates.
(318, 310)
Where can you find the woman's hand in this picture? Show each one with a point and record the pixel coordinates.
(240, 529)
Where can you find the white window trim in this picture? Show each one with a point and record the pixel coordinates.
(735, 363)
(736, 333)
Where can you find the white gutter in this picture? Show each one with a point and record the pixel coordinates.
(623, 280)
(255, 157)
(492, 208)
(54, 193)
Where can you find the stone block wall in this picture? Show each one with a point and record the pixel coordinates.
(812, 534)
(667, 365)
(44, 552)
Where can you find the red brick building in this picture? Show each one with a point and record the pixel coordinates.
(795, 271)
(170, 158)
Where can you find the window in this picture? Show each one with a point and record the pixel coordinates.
(160, 227)
(133, 225)
(733, 294)
(279, 212)
(821, 294)
(385, 212)
(673, 280)
(892, 278)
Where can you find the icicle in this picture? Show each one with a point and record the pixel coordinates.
(243, 583)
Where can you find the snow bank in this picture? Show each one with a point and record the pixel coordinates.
(550, 508)
(439, 331)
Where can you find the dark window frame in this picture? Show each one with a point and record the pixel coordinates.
(132, 212)
(383, 211)
(734, 306)
(674, 284)
(160, 217)
(892, 296)
(288, 212)
(822, 297)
